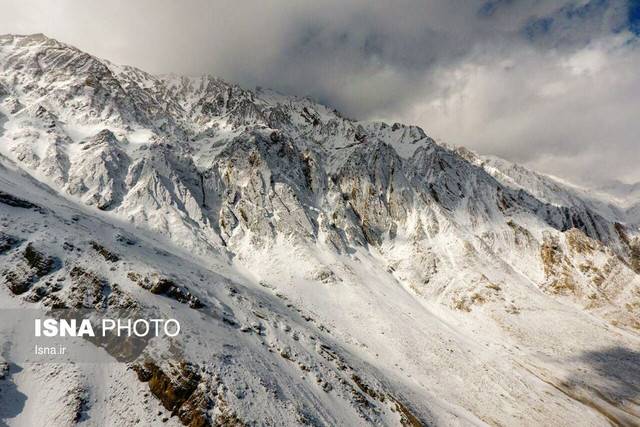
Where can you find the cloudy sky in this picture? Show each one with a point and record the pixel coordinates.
(553, 84)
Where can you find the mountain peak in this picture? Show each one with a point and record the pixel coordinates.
(23, 40)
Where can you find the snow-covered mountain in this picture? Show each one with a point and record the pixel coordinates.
(334, 272)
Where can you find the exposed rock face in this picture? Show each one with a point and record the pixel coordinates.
(632, 246)
(381, 198)
(172, 395)
(99, 172)
(90, 291)
(29, 267)
(4, 370)
(104, 252)
(187, 395)
(159, 285)
(589, 272)
(7, 242)
(556, 267)
(11, 200)
(263, 188)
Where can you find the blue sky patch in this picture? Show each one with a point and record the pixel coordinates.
(634, 16)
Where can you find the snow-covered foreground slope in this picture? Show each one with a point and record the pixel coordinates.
(329, 271)
(260, 358)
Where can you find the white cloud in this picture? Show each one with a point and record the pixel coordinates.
(569, 115)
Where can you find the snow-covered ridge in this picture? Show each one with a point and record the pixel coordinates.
(614, 203)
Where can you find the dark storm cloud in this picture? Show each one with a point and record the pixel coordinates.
(548, 83)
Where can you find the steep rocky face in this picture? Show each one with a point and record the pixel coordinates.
(30, 266)
(98, 172)
(374, 188)
(264, 185)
